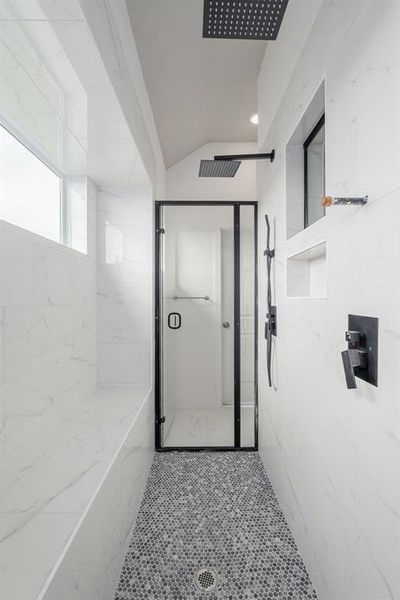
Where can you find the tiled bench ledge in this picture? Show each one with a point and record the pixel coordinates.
(69, 499)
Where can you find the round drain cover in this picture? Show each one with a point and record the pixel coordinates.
(206, 579)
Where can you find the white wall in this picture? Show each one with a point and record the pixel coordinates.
(63, 443)
(332, 453)
(90, 564)
(124, 268)
(48, 341)
(183, 182)
(280, 60)
(48, 306)
(110, 27)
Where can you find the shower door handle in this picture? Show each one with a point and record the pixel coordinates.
(174, 320)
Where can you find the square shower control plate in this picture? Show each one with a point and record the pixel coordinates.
(367, 327)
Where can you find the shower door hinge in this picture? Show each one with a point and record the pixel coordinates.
(160, 421)
(160, 230)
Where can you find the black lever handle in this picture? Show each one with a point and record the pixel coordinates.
(353, 358)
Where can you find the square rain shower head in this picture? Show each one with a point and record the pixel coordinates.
(218, 168)
(243, 19)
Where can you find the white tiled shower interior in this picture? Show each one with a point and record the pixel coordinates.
(124, 286)
(332, 452)
(209, 427)
(49, 369)
(75, 458)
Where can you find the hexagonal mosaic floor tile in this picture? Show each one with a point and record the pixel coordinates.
(213, 513)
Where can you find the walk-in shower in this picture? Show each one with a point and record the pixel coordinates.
(205, 325)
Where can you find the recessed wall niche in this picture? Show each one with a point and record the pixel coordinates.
(307, 273)
(296, 213)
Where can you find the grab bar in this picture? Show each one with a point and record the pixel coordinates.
(190, 297)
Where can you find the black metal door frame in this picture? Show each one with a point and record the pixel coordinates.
(159, 418)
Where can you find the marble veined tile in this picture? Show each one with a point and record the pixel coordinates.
(30, 545)
(57, 470)
(34, 337)
(120, 323)
(106, 527)
(124, 364)
(124, 206)
(36, 401)
(1, 344)
(50, 480)
(207, 427)
(18, 268)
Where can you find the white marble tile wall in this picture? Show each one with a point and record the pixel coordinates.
(91, 562)
(48, 366)
(48, 300)
(333, 453)
(58, 439)
(124, 288)
(72, 479)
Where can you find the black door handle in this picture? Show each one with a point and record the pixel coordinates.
(353, 358)
(174, 320)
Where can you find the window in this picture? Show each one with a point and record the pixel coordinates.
(305, 167)
(30, 192)
(314, 173)
(36, 198)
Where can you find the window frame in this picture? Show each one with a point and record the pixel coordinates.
(64, 208)
(316, 129)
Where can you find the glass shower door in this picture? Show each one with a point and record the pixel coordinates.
(206, 323)
(197, 326)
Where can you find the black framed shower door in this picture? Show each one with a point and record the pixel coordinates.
(184, 231)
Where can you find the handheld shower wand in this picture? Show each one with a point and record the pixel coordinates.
(270, 322)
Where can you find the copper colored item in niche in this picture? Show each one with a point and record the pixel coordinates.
(326, 200)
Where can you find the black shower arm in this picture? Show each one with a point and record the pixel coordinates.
(262, 156)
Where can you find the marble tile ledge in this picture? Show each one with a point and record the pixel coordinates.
(47, 487)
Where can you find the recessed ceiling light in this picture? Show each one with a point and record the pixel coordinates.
(254, 119)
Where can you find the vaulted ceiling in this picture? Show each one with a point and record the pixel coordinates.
(201, 90)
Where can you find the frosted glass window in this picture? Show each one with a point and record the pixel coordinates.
(30, 192)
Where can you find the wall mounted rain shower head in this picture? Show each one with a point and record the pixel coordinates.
(243, 19)
(227, 165)
(218, 168)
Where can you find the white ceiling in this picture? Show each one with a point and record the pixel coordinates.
(201, 90)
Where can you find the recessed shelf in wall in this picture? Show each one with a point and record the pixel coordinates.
(307, 273)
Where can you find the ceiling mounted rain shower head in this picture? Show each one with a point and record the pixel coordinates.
(243, 19)
(218, 168)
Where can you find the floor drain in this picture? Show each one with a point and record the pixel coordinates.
(206, 579)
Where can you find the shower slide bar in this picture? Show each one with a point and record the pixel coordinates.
(191, 297)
